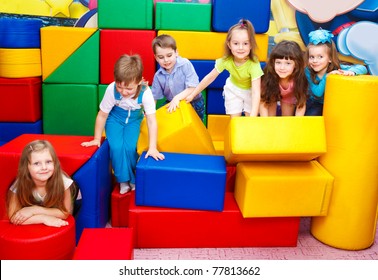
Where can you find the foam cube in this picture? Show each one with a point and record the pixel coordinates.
(195, 181)
(82, 66)
(29, 90)
(125, 14)
(114, 43)
(210, 45)
(203, 67)
(119, 208)
(11, 130)
(227, 13)
(282, 189)
(105, 244)
(215, 102)
(70, 118)
(179, 16)
(157, 227)
(181, 131)
(274, 139)
(217, 125)
(60, 42)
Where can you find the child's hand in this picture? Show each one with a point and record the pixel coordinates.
(155, 154)
(342, 72)
(175, 103)
(54, 221)
(189, 98)
(94, 142)
(22, 215)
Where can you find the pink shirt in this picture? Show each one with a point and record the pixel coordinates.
(287, 94)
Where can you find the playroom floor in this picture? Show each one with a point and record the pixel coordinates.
(308, 248)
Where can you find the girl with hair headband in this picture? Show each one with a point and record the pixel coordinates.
(322, 59)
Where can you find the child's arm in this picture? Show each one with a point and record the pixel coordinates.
(152, 138)
(99, 128)
(175, 102)
(351, 70)
(256, 96)
(300, 112)
(206, 81)
(264, 111)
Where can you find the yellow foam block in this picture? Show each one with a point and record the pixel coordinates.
(274, 139)
(58, 43)
(216, 126)
(20, 63)
(352, 158)
(210, 45)
(282, 189)
(181, 131)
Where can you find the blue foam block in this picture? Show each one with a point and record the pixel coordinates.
(215, 102)
(11, 130)
(95, 183)
(227, 13)
(185, 181)
(203, 67)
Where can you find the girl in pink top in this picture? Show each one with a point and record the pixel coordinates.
(285, 81)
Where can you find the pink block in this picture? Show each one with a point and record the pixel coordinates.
(156, 227)
(114, 43)
(20, 99)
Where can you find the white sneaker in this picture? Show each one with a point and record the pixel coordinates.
(124, 188)
(132, 186)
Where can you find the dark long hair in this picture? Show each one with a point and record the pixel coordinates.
(270, 91)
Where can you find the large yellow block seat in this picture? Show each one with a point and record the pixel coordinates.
(274, 139)
(181, 131)
(282, 189)
(216, 126)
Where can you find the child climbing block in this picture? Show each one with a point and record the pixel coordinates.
(210, 45)
(125, 14)
(227, 13)
(20, 63)
(179, 16)
(82, 66)
(105, 244)
(274, 139)
(216, 126)
(156, 227)
(282, 189)
(181, 131)
(114, 43)
(70, 118)
(195, 181)
(58, 43)
(29, 90)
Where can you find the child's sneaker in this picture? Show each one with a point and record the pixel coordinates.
(132, 186)
(124, 188)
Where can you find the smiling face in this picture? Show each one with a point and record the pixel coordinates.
(166, 57)
(319, 58)
(41, 166)
(284, 67)
(240, 45)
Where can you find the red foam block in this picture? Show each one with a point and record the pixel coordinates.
(20, 99)
(178, 228)
(114, 43)
(119, 208)
(105, 244)
(37, 242)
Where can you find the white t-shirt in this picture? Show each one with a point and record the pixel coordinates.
(109, 101)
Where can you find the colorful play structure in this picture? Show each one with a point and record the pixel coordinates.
(241, 182)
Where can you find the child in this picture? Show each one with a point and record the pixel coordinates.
(176, 78)
(323, 60)
(121, 114)
(284, 80)
(42, 192)
(242, 89)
